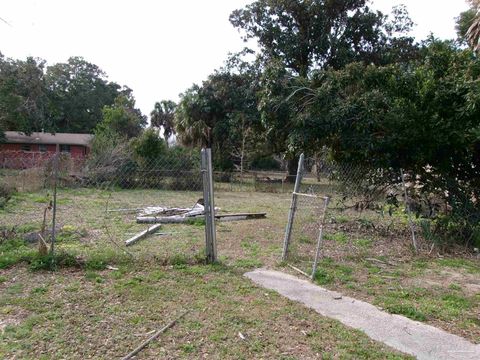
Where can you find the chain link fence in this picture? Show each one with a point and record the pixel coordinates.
(363, 213)
(379, 210)
(100, 199)
(99, 203)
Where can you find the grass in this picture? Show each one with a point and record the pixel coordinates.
(338, 237)
(163, 274)
(119, 310)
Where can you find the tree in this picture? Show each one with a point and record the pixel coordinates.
(423, 117)
(308, 34)
(78, 91)
(298, 37)
(463, 23)
(163, 116)
(23, 95)
(123, 118)
(243, 141)
(212, 115)
(473, 33)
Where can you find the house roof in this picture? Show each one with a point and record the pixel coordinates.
(14, 137)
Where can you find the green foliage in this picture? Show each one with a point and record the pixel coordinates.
(24, 98)
(339, 237)
(221, 114)
(265, 163)
(422, 116)
(13, 251)
(149, 146)
(406, 310)
(78, 93)
(64, 97)
(52, 262)
(163, 116)
(304, 34)
(464, 21)
(123, 118)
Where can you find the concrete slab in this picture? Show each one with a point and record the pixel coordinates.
(398, 332)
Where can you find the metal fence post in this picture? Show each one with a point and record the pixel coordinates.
(320, 237)
(208, 197)
(409, 211)
(54, 215)
(293, 207)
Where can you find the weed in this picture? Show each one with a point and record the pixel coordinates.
(460, 264)
(455, 287)
(328, 272)
(406, 310)
(93, 276)
(338, 237)
(341, 219)
(52, 261)
(247, 263)
(40, 290)
(26, 228)
(200, 222)
(304, 239)
(364, 243)
(323, 277)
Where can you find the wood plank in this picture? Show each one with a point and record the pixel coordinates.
(186, 219)
(143, 234)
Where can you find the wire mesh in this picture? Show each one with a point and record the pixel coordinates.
(99, 201)
(306, 233)
(360, 213)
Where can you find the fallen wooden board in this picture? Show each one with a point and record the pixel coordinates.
(142, 234)
(153, 337)
(128, 211)
(186, 219)
(246, 215)
(167, 219)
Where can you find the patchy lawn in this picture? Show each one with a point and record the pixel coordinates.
(105, 314)
(86, 311)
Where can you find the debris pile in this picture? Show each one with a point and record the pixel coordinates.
(158, 215)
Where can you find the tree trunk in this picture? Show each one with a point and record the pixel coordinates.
(292, 167)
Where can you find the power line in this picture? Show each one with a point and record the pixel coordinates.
(6, 22)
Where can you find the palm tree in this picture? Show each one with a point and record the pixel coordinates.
(163, 116)
(473, 33)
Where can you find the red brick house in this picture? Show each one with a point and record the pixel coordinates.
(24, 151)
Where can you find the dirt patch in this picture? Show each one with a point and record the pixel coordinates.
(469, 283)
(11, 316)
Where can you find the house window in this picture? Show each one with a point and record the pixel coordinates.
(26, 147)
(42, 147)
(65, 148)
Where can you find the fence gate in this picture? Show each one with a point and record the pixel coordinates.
(304, 232)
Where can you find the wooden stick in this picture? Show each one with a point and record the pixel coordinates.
(245, 215)
(154, 336)
(176, 219)
(298, 270)
(132, 211)
(142, 234)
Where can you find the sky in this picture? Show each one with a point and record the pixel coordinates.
(158, 48)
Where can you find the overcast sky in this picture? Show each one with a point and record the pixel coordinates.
(157, 48)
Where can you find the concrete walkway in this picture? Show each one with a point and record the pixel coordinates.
(398, 332)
